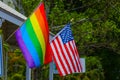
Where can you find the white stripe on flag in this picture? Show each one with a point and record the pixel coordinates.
(73, 58)
(61, 56)
(77, 56)
(57, 60)
(65, 53)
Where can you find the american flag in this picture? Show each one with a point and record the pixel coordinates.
(65, 53)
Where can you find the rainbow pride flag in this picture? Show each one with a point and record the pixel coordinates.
(33, 37)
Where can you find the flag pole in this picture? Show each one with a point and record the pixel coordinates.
(11, 35)
(28, 73)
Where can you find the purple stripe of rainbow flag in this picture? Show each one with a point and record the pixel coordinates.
(33, 37)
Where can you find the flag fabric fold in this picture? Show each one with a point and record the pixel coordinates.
(33, 37)
(65, 54)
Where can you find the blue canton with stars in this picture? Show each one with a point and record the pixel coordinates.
(66, 34)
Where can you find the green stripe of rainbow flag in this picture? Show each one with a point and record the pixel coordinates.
(33, 37)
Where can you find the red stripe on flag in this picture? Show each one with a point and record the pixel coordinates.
(72, 70)
(75, 61)
(57, 65)
(61, 49)
(56, 60)
(77, 56)
(74, 58)
(59, 57)
(67, 56)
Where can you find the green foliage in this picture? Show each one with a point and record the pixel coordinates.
(94, 68)
(0, 31)
(110, 63)
(6, 47)
(17, 77)
(16, 65)
(30, 5)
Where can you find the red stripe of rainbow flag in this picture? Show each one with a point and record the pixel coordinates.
(33, 37)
